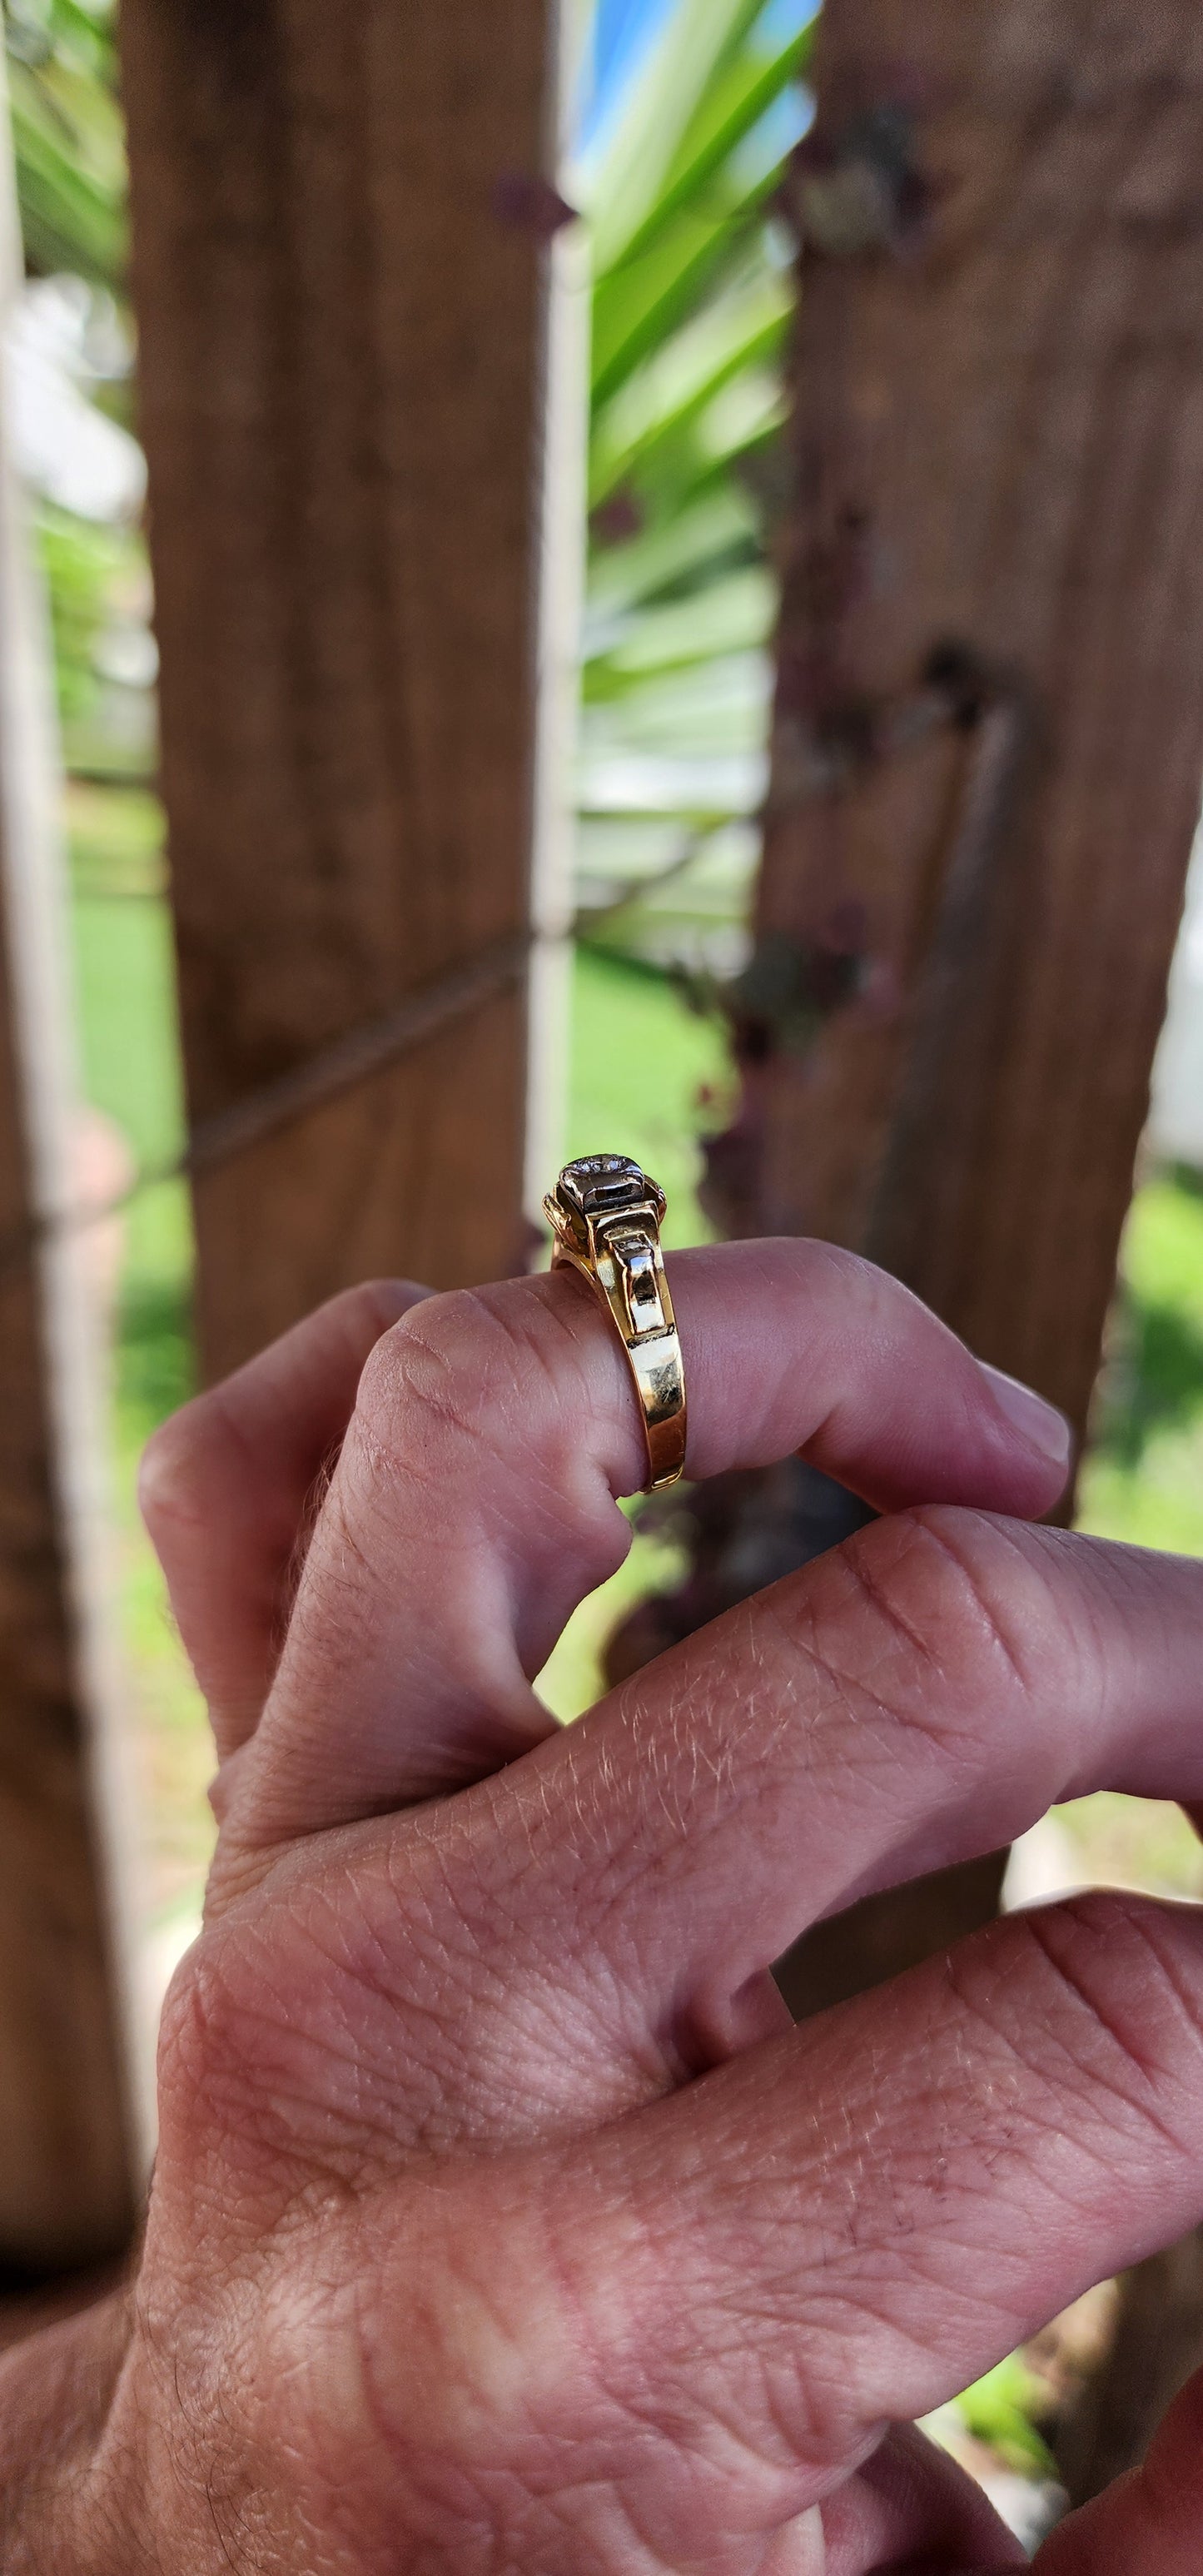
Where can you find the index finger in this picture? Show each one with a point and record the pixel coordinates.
(227, 1486)
(474, 1503)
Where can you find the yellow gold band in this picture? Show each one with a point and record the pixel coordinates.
(605, 1214)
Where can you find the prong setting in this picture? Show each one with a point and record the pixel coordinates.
(605, 1214)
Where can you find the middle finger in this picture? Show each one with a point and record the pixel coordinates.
(917, 1697)
(595, 1926)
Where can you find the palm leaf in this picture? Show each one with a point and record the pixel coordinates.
(734, 335)
(636, 308)
(72, 200)
(690, 546)
(690, 310)
(727, 617)
(68, 141)
(697, 43)
(733, 104)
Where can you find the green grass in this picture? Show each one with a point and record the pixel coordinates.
(999, 2409)
(1143, 1481)
(116, 839)
(643, 1076)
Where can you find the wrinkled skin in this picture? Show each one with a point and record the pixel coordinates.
(501, 2224)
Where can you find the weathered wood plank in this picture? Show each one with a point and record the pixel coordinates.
(999, 444)
(340, 251)
(999, 435)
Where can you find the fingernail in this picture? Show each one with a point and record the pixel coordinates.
(1042, 1426)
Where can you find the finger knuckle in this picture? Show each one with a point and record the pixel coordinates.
(192, 2045)
(937, 1614)
(430, 1364)
(236, 2056)
(467, 1374)
(1122, 2007)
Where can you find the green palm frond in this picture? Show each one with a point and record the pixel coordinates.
(724, 617)
(738, 332)
(690, 546)
(634, 173)
(691, 309)
(68, 139)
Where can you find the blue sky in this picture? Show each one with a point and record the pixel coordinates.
(623, 28)
(622, 31)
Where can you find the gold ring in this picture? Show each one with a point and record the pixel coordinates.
(605, 1215)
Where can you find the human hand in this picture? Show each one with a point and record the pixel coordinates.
(500, 2221)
